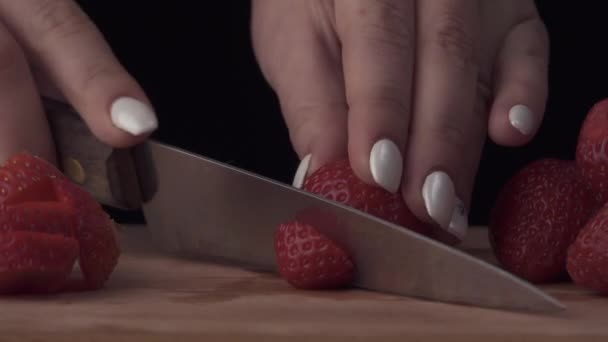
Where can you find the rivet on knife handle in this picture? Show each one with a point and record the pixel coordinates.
(108, 173)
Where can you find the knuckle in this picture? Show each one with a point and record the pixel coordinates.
(484, 98)
(305, 121)
(394, 109)
(57, 19)
(11, 56)
(453, 135)
(455, 41)
(94, 72)
(390, 27)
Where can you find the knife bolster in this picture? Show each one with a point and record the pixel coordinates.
(108, 173)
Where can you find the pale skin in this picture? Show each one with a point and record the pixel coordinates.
(430, 78)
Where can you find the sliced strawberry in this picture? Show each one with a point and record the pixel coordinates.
(308, 260)
(537, 215)
(592, 150)
(46, 217)
(34, 262)
(588, 256)
(32, 166)
(337, 181)
(95, 232)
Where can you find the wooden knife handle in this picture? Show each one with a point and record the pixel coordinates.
(108, 173)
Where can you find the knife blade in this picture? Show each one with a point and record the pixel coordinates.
(201, 208)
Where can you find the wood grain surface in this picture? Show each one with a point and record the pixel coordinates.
(153, 297)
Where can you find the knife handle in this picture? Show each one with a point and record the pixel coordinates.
(108, 173)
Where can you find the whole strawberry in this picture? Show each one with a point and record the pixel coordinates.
(337, 181)
(309, 260)
(592, 151)
(537, 215)
(587, 262)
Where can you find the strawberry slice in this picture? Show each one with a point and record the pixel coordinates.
(46, 217)
(34, 262)
(95, 232)
(587, 262)
(537, 215)
(309, 260)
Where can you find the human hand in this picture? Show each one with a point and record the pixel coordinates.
(51, 48)
(407, 89)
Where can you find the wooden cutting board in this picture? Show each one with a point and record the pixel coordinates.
(153, 297)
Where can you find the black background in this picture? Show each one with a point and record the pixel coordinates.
(195, 61)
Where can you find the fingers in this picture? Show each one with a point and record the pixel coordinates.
(447, 132)
(58, 37)
(378, 54)
(305, 72)
(521, 84)
(23, 125)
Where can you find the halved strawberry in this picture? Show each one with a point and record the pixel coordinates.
(309, 260)
(34, 262)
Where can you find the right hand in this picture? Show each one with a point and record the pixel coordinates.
(51, 48)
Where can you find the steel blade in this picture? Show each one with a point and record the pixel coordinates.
(205, 209)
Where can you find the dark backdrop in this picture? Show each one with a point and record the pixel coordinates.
(197, 65)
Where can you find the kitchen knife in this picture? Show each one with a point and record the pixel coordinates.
(201, 208)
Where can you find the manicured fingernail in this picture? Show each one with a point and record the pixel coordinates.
(439, 197)
(133, 116)
(460, 223)
(386, 164)
(300, 176)
(522, 118)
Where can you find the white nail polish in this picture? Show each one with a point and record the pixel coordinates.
(133, 116)
(460, 223)
(522, 118)
(386, 164)
(300, 176)
(439, 197)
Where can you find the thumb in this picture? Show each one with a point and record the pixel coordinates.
(67, 47)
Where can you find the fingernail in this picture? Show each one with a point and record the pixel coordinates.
(522, 118)
(133, 116)
(439, 197)
(386, 164)
(300, 176)
(460, 223)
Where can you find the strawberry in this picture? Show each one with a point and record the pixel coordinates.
(337, 181)
(309, 260)
(587, 261)
(95, 232)
(35, 262)
(26, 178)
(592, 150)
(537, 215)
(46, 217)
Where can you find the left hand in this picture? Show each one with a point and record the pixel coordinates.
(408, 89)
